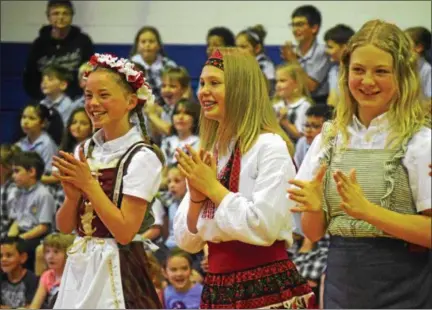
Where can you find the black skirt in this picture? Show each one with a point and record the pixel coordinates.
(377, 273)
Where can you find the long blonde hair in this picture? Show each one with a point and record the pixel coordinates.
(248, 111)
(297, 74)
(407, 113)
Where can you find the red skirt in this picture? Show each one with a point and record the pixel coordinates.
(276, 285)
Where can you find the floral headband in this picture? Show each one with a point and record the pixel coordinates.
(133, 77)
(215, 59)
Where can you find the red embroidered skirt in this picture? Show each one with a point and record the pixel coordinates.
(275, 284)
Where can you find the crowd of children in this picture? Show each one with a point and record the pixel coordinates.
(89, 121)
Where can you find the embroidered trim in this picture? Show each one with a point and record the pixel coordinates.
(229, 177)
(113, 286)
(215, 60)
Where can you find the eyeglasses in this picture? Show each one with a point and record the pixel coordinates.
(58, 14)
(297, 24)
(312, 126)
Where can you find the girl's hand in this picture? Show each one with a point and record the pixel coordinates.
(71, 192)
(308, 195)
(193, 193)
(73, 171)
(354, 202)
(199, 170)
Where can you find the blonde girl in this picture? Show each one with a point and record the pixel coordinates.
(235, 201)
(292, 99)
(55, 254)
(365, 182)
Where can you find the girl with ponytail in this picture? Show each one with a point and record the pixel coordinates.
(109, 185)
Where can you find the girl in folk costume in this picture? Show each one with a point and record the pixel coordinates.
(235, 201)
(364, 179)
(109, 186)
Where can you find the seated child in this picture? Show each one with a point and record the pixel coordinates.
(181, 293)
(315, 118)
(32, 208)
(7, 185)
(55, 80)
(55, 252)
(18, 285)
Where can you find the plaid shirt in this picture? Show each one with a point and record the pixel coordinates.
(5, 220)
(311, 265)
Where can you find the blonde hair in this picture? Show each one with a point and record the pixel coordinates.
(406, 114)
(59, 241)
(85, 67)
(248, 111)
(298, 75)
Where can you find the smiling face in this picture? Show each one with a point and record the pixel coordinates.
(171, 91)
(11, 259)
(107, 102)
(211, 94)
(302, 30)
(371, 79)
(178, 271)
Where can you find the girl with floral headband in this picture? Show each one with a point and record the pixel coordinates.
(109, 184)
(364, 179)
(236, 198)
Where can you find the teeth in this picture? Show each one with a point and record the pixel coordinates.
(208, 103)
(98, 113)
(369, 93)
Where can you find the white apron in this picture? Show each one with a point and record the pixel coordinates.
(91, 278)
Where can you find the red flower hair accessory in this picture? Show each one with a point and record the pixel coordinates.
(135, 78)
(215, 59)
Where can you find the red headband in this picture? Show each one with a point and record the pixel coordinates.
(216, 60)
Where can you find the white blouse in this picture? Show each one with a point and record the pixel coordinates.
(416, 160)
(299, 107)
(259, 213)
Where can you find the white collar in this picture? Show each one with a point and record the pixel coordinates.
(116, 144)
(379, 123)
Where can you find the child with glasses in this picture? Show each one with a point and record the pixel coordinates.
(315, 117)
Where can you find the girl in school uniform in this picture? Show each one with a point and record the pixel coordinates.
(235, 200)
(185, 124)
(109, 186)
(292, 99)
(148, 52)
(252, 40)
(364, 179)
(39, 124)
